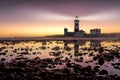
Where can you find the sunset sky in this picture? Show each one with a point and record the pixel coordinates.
(24, 18)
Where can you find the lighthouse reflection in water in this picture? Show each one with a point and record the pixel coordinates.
(84, 53)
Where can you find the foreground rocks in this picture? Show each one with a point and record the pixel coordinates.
(44, 69)
(56, 60)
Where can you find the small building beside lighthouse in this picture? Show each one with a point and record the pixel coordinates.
(95, 32)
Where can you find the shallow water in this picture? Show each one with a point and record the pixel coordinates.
(84, 53)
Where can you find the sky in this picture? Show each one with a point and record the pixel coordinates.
(29, 18)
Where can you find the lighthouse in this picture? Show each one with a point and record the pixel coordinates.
(76, 24)
(77, 32)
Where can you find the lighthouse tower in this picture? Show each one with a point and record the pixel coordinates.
(76, 24)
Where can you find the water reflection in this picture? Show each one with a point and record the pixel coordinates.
(76, 45)
(97, 55)
(95, 43)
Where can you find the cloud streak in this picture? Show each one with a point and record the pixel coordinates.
(49, 16)
(104, 16)
(39, 16)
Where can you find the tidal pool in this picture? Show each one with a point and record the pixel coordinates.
(96, 55)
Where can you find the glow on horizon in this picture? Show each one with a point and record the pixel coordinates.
(44, 31)
(47, 23)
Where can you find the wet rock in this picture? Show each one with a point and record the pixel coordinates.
(117, 78)
(68, 49)
(55, 53)
(51, 77)
(36, 58)
(20, 58)
(34, 53)
(2, 53)
(69, 53)
(38, 52)
(6, 51)
(103, 72)
(9, 77)
(101, 61)
(81, 58)
(96, 68)
(96, 57)
(15, 50)
(24, 53)
(67, 59)
(91, 54)
(22, 49)
(56, 48)
(30, 49)
(69, 65)
(36, 78)
(88, 69)
(71, 77)
(118, 64)
(116, 67)
(49, 60)
(43, 48)
(101, 49)
(57, 75)
(109, 57)
(66, 70)
(101, 78)
(77, 68)
(113, 64)
(3, 59)
(43, 74)
(80, 54)
(12, 70)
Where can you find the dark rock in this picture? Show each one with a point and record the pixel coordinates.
(56, 48)
(101, 49)
(116, 67)
(71, 77)
(68, 65)
(67, 59)
(56, 54)
(113, 64)
(88, 69)
(96, 57)
(103, 72)
(118, 64)
(9, 77)
(68, 49)
(96, 68)
(3, 59)
(101, 61)
(43, 48)
(91, 54)
(66, 70)
(36, 78)
(101, 78)
(3, 53)
(78, 68)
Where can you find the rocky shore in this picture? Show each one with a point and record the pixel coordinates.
(43, 69)
(59, 63)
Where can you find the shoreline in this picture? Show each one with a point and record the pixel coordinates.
(56, 38)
